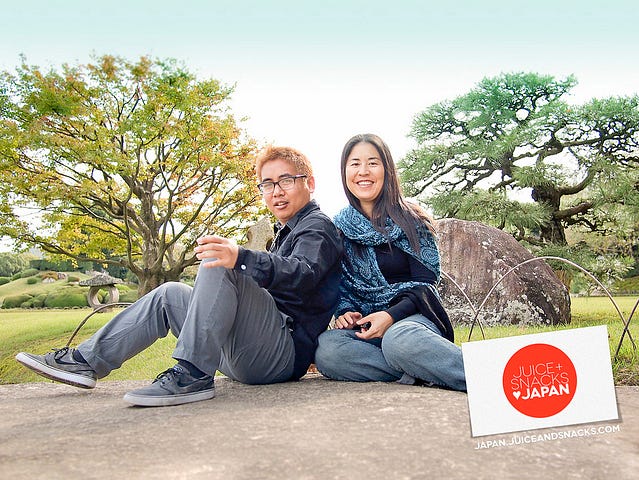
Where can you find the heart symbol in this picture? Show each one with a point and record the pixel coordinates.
(516, 394)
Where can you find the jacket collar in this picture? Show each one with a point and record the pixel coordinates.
(305, 210)
(282, 230)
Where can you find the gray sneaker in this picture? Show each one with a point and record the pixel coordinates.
(60, 366)
(174, 386)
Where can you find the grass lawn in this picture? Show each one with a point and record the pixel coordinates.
(586, 312)
(38, 331)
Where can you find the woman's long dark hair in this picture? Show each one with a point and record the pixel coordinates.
(390, 202)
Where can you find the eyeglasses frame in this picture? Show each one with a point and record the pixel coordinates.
(261, 186)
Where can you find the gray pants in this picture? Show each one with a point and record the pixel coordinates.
(226, 322)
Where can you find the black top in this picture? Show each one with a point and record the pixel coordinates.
(398, 266)
(302, 273)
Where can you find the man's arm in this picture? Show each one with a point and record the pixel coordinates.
(309, 252)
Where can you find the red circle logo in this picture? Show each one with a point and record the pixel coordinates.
(539, 380)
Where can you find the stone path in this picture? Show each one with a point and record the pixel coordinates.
(312, 429)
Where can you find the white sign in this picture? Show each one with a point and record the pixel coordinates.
(537, 381)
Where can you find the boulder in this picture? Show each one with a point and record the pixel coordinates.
(476, 257)
(259, 235)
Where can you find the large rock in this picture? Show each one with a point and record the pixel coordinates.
(259, 235)
(477, 256)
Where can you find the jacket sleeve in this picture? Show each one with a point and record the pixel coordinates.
(428, 303)
(402, 308)
(306, 256)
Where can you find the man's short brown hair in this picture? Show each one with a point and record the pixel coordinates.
(288, 154)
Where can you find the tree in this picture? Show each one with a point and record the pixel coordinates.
(12, 263)
(615, 241)
(479, 154)
(125, 163)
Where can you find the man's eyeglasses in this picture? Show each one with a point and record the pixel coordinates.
(285, 183)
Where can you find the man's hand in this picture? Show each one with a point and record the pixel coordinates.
(222, 251)
(379, 323)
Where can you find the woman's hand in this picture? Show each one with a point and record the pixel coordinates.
(347, 320)
(379, 323)
(222, 251)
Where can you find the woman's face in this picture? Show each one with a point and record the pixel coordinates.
(364, 175)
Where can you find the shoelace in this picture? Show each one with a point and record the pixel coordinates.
(60, 352)
(169, 371)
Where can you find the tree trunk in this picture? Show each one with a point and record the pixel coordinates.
(149, 281)
(552, 232)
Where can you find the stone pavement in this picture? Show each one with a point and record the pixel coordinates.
(312, 429)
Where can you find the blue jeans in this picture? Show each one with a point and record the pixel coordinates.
(226, 322)
(412, 348)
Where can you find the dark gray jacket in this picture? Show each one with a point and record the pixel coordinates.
(302, 273)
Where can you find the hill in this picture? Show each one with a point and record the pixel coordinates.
(63, 292)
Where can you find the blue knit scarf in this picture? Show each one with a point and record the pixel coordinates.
(364, 288)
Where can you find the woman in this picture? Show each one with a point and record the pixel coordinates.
(390, 324)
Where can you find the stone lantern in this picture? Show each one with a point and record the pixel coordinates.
(98, 282)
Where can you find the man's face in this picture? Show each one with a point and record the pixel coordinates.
(284, 204)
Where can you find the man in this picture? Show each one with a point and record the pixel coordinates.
(255, 316)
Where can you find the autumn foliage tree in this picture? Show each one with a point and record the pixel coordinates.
(123, 162)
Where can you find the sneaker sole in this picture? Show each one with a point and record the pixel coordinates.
(168, 400)
(52, 373)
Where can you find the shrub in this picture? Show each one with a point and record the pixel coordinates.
(60, 266)
(32, 280)
(38, 300)
(66, 300)
(131, 278)
(627, 286)
(4, 280)
(27, 304)
(15, 301)
(45, 275)
(29, 272)
(67, 297)
(129, 296)
(73, 279)
(15, 276)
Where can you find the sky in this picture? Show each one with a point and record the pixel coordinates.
(311, 74)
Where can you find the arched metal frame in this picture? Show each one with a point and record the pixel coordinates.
(477, 311)
(97, 310)
(472, 307)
